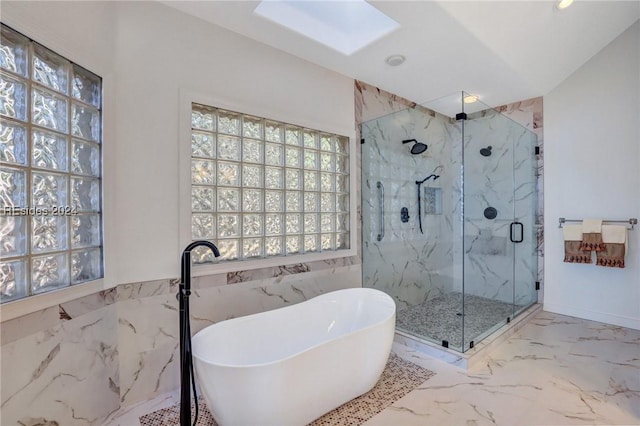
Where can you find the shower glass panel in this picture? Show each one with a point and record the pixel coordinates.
(525, 204)
(414, 267)
(449, 232)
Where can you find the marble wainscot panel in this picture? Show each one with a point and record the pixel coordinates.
(148, 326)
(60, 365)
(82, 360)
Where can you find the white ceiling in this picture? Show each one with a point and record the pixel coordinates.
(503, 51)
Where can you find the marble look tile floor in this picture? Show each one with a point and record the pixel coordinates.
(440, 318)
(556, 370)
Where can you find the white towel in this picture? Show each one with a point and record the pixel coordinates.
(592, 226)
(615, 246)
(616, 234)
(572, 232)
(572, 242)
(592, 235)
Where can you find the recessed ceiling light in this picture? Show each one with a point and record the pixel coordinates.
(395, 60)
(469, 99)
(346, 26)
(563, 4)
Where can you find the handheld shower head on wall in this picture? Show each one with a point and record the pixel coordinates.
(417, 148)
(419, 183)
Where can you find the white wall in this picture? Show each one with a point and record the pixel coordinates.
(592, 169)
(148, 52)
(160, 51)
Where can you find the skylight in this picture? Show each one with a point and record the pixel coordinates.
(344, 25)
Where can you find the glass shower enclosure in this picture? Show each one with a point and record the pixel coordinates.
(449, 231)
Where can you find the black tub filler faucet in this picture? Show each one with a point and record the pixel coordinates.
(187, 378)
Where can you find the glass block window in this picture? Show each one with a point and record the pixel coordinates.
(262, 188)
(50, 175)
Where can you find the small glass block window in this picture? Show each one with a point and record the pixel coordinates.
(264, 188)
(50, 175)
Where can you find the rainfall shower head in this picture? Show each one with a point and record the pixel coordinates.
(418, 148)
(486, 152)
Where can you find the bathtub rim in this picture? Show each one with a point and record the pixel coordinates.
(391, 316)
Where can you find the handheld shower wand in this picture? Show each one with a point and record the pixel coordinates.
(419, 183)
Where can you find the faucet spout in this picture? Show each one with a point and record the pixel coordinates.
(199, 243)
(185, 276)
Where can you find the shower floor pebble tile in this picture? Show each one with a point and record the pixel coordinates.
(556, 370)
(440, 318)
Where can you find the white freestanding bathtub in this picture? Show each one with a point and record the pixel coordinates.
(289, 366)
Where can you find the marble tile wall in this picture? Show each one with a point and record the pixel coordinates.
(59, 366)
(409, 264)
(529, 113)
(82, 360)
(489, 182)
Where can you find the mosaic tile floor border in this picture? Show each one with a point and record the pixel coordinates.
(440, 318)
(398, 379)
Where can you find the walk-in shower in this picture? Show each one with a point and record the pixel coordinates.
(473, 267)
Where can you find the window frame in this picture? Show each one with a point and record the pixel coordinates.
(187, 98)
(31, 170)
(93, 63)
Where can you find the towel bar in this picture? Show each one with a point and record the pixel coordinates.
(632, 221)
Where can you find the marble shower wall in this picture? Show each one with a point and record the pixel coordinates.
(75, 363)
(489, 182)
(409, 265)
(529, 113)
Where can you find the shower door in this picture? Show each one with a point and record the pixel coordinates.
(499, 222)
(525, 205)
(408, 248)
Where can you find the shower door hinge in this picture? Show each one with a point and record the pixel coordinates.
(361, 141)
(445, 344)
(537, 150)
(537, 285)
(471, 344)
(461, 116)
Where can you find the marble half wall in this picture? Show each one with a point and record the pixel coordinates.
(59, 366)
(75, 363)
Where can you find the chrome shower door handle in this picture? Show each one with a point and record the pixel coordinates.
(380, 186)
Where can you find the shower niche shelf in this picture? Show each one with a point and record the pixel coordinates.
(432, 200)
